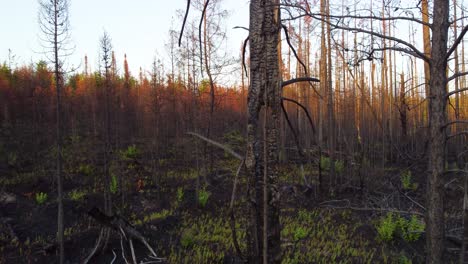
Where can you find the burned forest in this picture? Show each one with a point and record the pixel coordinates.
(224, 131)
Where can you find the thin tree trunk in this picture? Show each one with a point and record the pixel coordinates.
(437, 145)
(212, 86)
(58, 85)
(330, 103)
(427, 44)
(463, 252)
(323, 87)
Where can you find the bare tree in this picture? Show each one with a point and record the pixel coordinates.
(54, 25)
(106, 50)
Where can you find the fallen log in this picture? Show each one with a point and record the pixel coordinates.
(122, 226)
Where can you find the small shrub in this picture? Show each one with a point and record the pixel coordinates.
(77, 195)
(404, 260)
(130, 153)
(180, 194)
(188, 238)
(300, 233)
(113, 184)
(12, 158)
(162, 162)
(85, 169)
(406, 181)
(157, 215)
(386, 228)
(324, 163)
(41, 197)
(203, 196)
(412, 228)
(339, 166)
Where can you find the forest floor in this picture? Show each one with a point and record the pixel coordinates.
(345, 225)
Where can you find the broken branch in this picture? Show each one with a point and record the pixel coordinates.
(217, 144)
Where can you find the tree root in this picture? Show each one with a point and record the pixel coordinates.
(126, 231)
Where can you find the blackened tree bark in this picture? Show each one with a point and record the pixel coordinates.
(262, 143)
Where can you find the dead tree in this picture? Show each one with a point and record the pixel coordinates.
(264, 106)
(106, 49)
(55, 28)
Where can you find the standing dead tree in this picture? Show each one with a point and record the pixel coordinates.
(106, 64)
(55, 28)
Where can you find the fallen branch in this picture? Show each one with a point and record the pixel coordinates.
(412, 200)
(133, 251)
(217, 144)
(115, 257)
(375, 209)
(119, 224)
(96, 247)
(123, 249)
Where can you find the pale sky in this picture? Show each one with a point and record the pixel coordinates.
(138, 28)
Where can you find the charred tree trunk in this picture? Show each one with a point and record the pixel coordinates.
(263, 144)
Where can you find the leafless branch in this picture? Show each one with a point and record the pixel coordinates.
(417, 53)
(240, 27)
(463, 133)
(373, 17)
(200, 34)
(454, 122)
(301, 79)
(457, 75)
(305, 110)
(457, 42)
(296, 139)
(297, 57)
(455, 92)
(185, 21)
